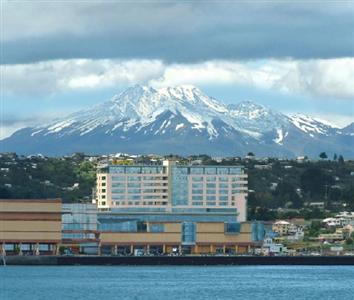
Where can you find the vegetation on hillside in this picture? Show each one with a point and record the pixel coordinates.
(277, 188)
(70, 178)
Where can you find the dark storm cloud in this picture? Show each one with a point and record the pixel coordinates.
(176, 31)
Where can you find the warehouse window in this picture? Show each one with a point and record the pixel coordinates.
(232, 228)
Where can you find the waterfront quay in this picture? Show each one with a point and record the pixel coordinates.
(180, 260)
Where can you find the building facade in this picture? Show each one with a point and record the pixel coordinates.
(183, 233)
(34, 227)
(171, 186)
(79, 228)
(30, 226)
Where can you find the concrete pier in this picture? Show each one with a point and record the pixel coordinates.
(179, 260)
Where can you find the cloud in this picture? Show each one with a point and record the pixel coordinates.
(10, 124)
(337, 120)
(50, 77)
(175, 32)
(331, 78)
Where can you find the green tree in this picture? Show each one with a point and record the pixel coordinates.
(349, 241)
(314, 181)
(341, 159)
(285, 192)
(314, 229)
(323, 155)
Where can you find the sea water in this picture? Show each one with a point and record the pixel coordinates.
(176, 282)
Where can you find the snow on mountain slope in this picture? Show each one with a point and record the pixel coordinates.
(255, 119)
(281, 135)
(312, 125)
(348, 130)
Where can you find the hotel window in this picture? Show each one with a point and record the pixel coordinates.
(197, 185)
(210, 198)
(223, 179)
(197, 179)
(149, 197)
(235, 179)
(223, 170)
(197, 203)
(133, 197)
(223, 185)
(211, 179)
(180, 170)
(118, 197)
(197, 191)
(223, 192)
(131, 184)
(103, 190)
(223, 203)
(103, 203)
(103, 177)
(150, 184)
(103, 184)
(232, 228)
(211, 203)
(117, 170)
(133, 170)
(223, 198)
(196, 170)
(134, 178)
(210, 171)
(118, 178)
(118, 191)
(210, 192)
(235, 170)
(157, 227)
(151, 170)
(211, 185)
(118, 185)
(103, 196)
(236, 185)
(198, 198)
(134, 191)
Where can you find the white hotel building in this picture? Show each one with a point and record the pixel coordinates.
(172, 188)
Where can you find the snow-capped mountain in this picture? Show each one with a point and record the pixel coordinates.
(181, 120)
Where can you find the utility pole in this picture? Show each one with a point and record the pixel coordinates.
(326, 191)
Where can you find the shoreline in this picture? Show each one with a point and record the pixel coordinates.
(178, 260)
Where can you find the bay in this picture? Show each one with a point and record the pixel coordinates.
(176, 282)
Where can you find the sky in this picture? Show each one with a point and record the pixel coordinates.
(58, 57)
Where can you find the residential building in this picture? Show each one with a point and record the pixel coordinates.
(270, 248)
(282, 227)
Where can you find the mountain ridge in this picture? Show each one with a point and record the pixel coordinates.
(142, 119)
